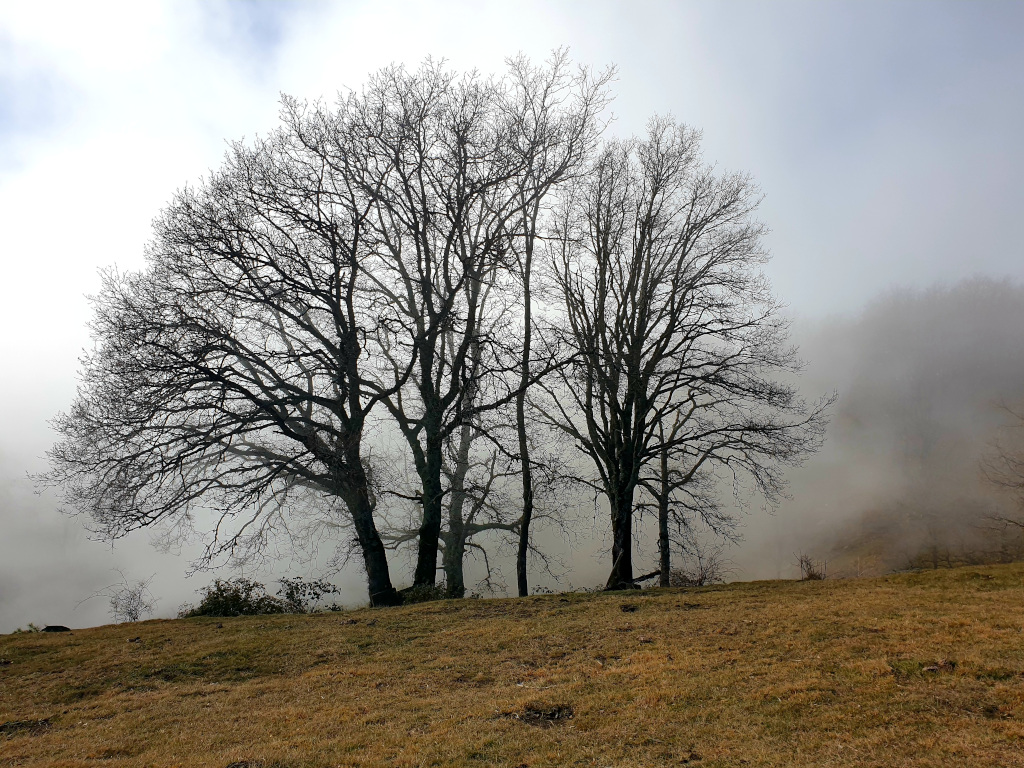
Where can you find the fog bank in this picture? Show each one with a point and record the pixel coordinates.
(924, 377)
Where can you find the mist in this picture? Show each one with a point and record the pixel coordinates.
(924, 379)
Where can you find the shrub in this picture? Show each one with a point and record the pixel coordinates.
(244, 597)
(130, 602)
(810, 569)
(424, 593)
(301, 596)
(234, 597)
(703, 566)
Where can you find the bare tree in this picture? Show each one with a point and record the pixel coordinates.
(470, 510)
(556, 139)
(1003, 466)
(475, 472)
(451, 165)
(382, 253)
(671, 323)
(426, 148)
(229, 374)
(811, 569)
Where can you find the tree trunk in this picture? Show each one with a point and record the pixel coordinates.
(664, 578)
(357, 498)
(375, 559)
(455, 538)
(433, 508)
(527, 516)
(452, 558)
(524, 446)
(621, 576)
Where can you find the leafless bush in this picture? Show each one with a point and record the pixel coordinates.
(129, 601)
(811, 569)
(704, 566)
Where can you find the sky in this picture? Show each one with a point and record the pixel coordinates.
(884, 136)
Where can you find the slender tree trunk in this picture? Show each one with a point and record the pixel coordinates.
(527, 515)
(664, 578)
(524, 445)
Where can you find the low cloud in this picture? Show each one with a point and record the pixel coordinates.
(924, 378)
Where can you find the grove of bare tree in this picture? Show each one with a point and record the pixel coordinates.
(458, 259)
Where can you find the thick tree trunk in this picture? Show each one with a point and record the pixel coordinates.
(453, 558)
(433, 508)
(455, 537)
(621, 576)
(375, 559)
(357, 497)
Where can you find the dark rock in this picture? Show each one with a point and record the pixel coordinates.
(55, 628)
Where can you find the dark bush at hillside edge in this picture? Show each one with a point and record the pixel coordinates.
(244, 597)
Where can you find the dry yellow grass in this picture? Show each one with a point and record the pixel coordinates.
(917, 669)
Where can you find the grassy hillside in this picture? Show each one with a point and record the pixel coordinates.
(916, 669)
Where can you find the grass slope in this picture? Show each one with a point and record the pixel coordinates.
(916, 669)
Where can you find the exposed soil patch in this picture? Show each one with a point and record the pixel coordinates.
(31, 727)
(543, 716)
